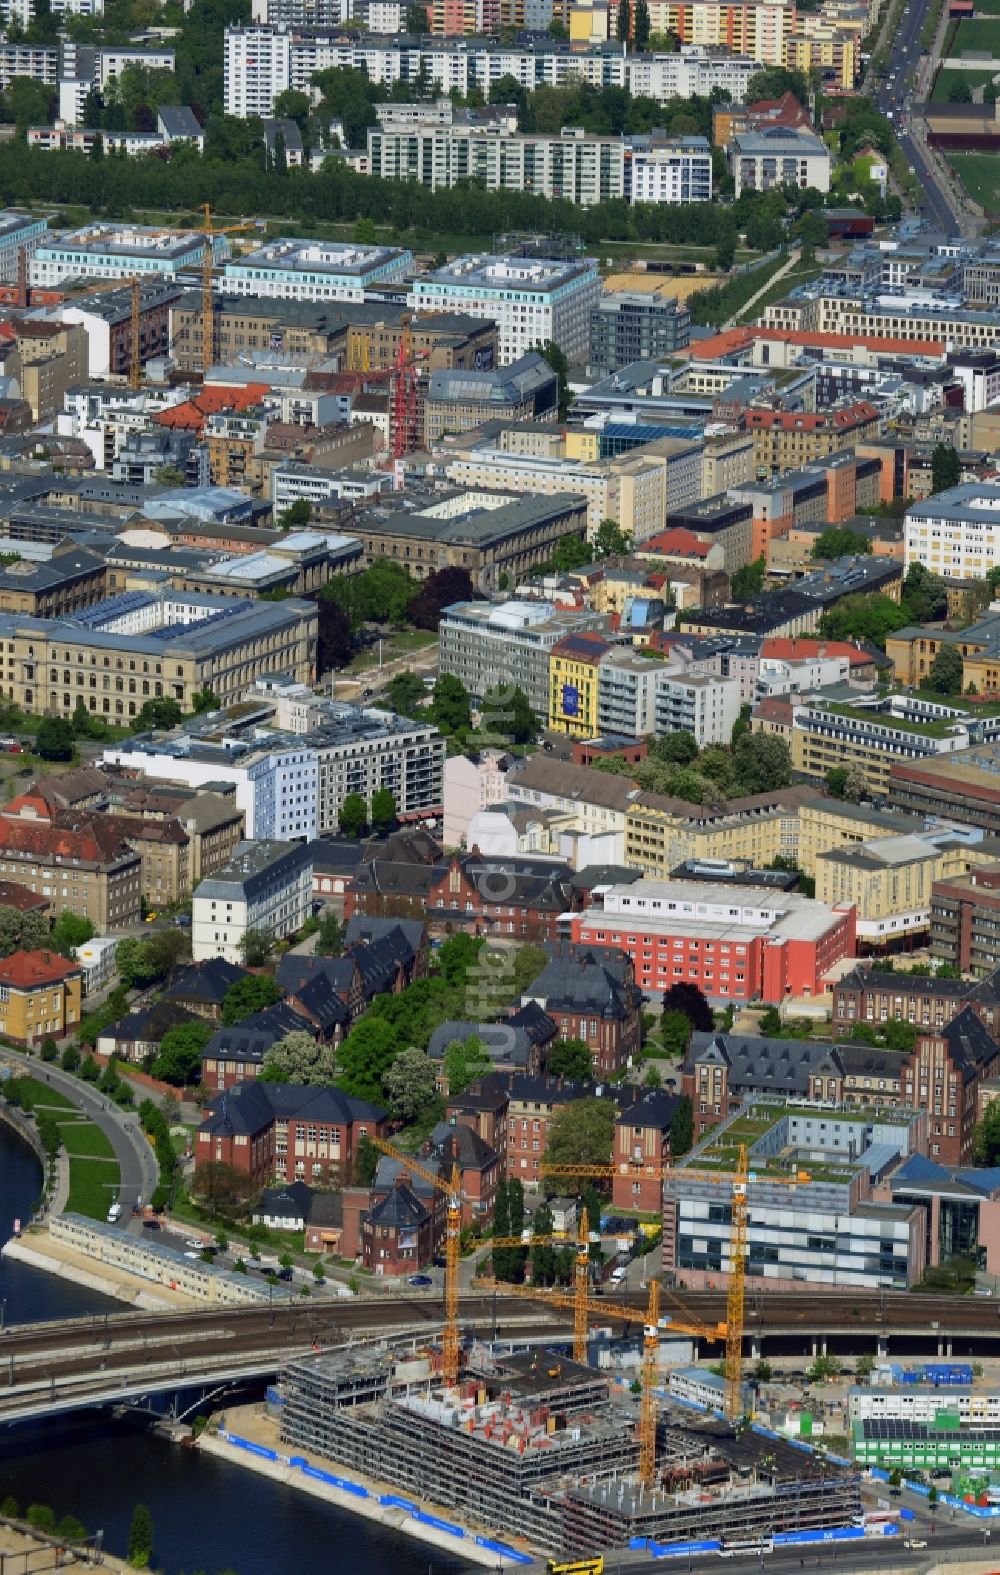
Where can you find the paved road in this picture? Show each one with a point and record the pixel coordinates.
(894, 98)
(135, 1157)
(869, 1554)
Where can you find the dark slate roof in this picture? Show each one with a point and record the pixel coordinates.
(654, 1109)
(779, 1065)
(322, 1002)
(253, 1105)
(496, 1089)
(206, 982)
(291, 1202)
(295, 969)
(585, 979)
(152, 1022)
(327, 1208)
(400, 1207)
(362, 928)
(251, 1039)
(535, 1022)
(970, 1042)
(502, 1042)
(984, 990)
(335, 855)
(460, 1144)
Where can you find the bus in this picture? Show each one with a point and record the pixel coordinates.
(592, 1566)
(733, 1547)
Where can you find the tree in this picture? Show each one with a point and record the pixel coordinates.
(179, 1058)
(543, 1257)
(224, 1191)
(366, 1158)
(675, 1031)
(54, 740)
(555, 355)
(165, 950)
(410, 1085)
(353, 815)
(681, 1127)
(365, 1056)
(610, 541)
(168, 476)
(839, 542)
(383, 811)
(687, 998)
(761, 763)
(21, 931)
(748, 581)
(624, 29)
(92, 110)
(529, 961)
(204, 700)
(157, 714)
(71, 930)
(507, 716)
(297, 514)
(299, 1058)
(416, 19)
(407, 693)
(253, 993)
(292, 105)
(508, 1220)
(581, 1133)
(946, 468)
(330, 936)
(450, 704)
(775, 82)
(256, 947)
(986, 1137)
(49, 1049)
(571, 1058)
(675, 749)
(641, 23)
(925, 595)
(945, 676)
(140, 1538)
(440, 590)
(465, 1060)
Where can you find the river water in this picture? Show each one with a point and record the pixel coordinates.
(208, 1515)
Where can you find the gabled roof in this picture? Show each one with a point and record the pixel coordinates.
(252, 1106)
(207, 982)
(321, 1002)
(253, 1037)
(400, 1207)
(31, 970)
(151, 1023)
(585, 979)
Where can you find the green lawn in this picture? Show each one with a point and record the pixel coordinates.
(949, 75)
(84, 1138)
(41, 1094)
(988, 7)
(798, 275)
(981, 35)
(980, 175)
(91, 1187)
(405, 643)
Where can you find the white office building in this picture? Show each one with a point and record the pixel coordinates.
(676, 170)
(314, 270)
(256, 69)
(531, 299)
(957, 533)
(119, 251)
(266, 887)
(638, 697)
(275, 786)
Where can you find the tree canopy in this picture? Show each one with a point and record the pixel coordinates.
(299, 1058)
(581, 1133)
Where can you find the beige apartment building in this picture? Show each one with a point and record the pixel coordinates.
(78, 862)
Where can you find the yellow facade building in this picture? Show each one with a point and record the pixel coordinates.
(40, 995)
(573, 683)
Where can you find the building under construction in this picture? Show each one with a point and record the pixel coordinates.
(533, 1446)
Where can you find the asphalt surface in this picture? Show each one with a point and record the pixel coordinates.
(894, 95)
(135, 1157)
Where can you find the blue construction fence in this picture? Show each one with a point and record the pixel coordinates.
(782, 1539)
(386, 1500)
(949, 1500)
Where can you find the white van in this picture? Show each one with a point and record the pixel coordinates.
(114, 1213)
(619, 1275)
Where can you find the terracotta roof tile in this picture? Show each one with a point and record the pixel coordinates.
(24, 970)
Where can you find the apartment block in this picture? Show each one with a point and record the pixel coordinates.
(965, 920)
(117, 251)
(775, 157)
(668, 169)
(574, 664)
(955, 534)
(79, 862)
(266, 887)
(629, 326)
(573, 165)
(891, 880)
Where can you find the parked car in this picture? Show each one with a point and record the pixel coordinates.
(420, 1281)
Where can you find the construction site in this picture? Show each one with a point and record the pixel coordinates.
(557, 1450)
(536, 1447)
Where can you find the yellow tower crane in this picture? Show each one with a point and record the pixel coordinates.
(740, 1179)
(210, 231)
(453, 1231)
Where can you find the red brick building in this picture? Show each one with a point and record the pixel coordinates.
(866, 995)
(642, 1137)
(397, 1235)
(283, 1130)
(590, 993)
